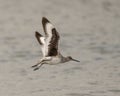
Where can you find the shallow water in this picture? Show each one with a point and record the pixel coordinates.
(89, 32)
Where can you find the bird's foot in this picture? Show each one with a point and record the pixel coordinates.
(34, 65)
(37, 64)
(35, 68)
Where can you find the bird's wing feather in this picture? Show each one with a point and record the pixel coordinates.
(41, 41)
(52, 38)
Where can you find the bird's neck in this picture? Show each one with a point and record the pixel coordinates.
(65, 59)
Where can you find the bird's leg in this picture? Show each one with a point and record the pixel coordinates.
(37, 64)
(38, 67)
(42, 61)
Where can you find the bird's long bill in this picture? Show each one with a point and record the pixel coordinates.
(75, 60)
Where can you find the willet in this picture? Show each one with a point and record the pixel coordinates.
(49, 46)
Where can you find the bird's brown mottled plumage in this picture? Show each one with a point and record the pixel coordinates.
(53, 46)
(49, 46)
(52, 43)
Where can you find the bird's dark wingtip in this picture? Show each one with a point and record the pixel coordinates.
(45, 20)
(37, 33)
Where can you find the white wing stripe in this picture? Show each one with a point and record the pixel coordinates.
(42, 39)
(43, 46)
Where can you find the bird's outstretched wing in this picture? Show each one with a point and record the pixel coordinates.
(51, 38)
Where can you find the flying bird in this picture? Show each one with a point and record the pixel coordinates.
(49, 46)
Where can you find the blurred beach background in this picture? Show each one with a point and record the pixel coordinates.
(90, 32)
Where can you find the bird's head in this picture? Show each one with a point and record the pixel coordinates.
(71, 59)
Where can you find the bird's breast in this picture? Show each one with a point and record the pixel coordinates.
(55, 60)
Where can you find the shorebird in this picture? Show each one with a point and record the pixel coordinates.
(49, 46)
